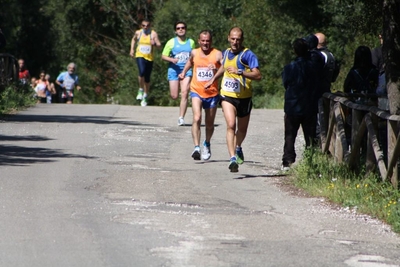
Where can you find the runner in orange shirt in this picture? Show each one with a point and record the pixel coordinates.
(205, 62)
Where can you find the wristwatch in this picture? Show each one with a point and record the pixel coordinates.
(239, 71)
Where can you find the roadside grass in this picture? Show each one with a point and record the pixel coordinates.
(320, 176)
(15, 98)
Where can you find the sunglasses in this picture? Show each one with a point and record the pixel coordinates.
(180, 28)
(145, 25)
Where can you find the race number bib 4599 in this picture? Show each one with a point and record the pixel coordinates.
(182, 57)
(231, 85)
(145, 49)
(204, 74)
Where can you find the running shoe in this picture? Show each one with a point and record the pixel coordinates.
(233, 166)
(196, 153)
(143, 103)
(181, 121)
(139, 95)
(285, 167)
(206, 153)
(239, 155)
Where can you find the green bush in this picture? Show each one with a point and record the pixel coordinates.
(320, 176)
(16, 97)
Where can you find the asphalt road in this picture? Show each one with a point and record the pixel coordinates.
(110, 185)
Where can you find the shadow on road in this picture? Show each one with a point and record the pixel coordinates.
(24, 138)
(70, 119)
(21, 156)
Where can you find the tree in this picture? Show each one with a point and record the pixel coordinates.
(391, 52)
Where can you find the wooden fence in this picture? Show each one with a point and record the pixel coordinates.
(8, 70)
(357, 134)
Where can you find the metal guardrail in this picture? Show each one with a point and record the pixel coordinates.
(357, 134)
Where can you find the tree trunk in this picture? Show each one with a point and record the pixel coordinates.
(391, 52)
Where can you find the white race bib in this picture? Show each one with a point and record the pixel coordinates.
(145, 49)
(182, 57)
(204, 74)
(231, 85)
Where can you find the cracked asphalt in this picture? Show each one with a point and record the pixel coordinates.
(111, 185)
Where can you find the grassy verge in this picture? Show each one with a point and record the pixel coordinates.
(318, 175)
(15, 98)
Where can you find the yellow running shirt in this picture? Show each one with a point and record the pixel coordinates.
(144, 48)
(234, 85)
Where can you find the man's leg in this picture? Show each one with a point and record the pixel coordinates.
(141, 67)
(184, 84)
(196, 133)
(196, 108)
(309, 124)
(292, 125)
(146, 77)
(230, 119)
(209, 121)
(242, 125)
(174, 89)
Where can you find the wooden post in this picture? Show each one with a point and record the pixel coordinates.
(341, 146)
(393, 152)
(373, 144)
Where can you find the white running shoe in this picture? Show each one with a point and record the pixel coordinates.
(181, 122)
(206, 153)
(139, 95)
(196, 153)
(143, 103)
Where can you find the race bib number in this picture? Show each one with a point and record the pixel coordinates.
(145, 49)
(204, 74)
(182, 57)
(231, 85)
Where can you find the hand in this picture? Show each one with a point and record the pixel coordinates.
(209, 83)
(231, 70)
(181, 76)
(78, 88)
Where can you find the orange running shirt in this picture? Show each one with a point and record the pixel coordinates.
(202, 74)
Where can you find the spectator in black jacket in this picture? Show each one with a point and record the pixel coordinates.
(301, 98)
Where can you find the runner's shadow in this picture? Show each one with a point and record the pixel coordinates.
(71, 119)
(252, 176)
(24, 138)
(23, 156)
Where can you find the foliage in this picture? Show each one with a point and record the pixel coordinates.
(96, 35)
(16, 97)
(364, 193)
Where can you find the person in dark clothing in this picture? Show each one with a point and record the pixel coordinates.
(300, 81)
(377, 56)
(363, 76)
(377, 60)
(330, 69)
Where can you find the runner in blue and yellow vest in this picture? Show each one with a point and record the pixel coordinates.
(146, 39)
(239, 68)
(177, 51)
